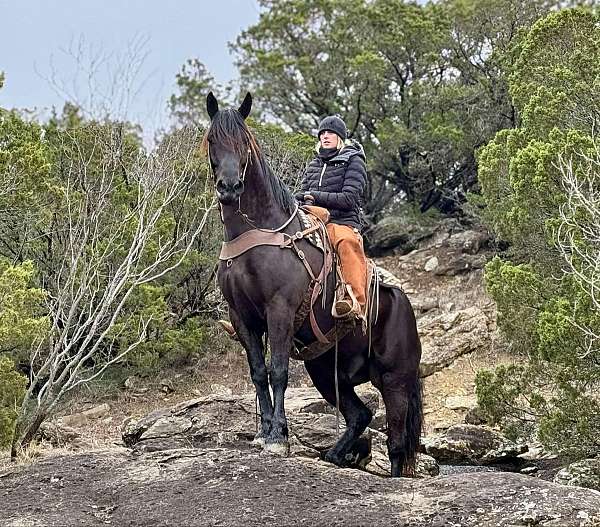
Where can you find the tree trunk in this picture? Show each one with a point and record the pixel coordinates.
(25, 432)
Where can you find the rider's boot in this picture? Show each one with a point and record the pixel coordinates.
(347, 307)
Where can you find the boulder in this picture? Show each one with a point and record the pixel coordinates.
(81, 418)
(431, 264)
(171, 425)
(222, 418)
(475, 416)
(399, 234)
(424, 304)
(447, 336)
(59, 434)
(472, 444)
(458, 263)
(299, 399)
(192, 423)
(469, 242)
(584, 473)
(317, 432)
(379, 464)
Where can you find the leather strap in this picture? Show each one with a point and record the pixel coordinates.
(255, 238)
(314, 350)
(248, 240)
(325, 269)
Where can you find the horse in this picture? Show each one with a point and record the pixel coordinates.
(264, 288)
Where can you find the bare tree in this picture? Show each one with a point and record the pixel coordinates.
(111, 243)
(103, 84)
(578, 234)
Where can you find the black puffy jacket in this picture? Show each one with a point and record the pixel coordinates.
(338, 184)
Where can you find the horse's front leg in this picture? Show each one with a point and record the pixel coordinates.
(253, 344)
(280, 329)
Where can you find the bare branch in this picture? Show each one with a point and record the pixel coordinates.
(578, 235)
(110, 250)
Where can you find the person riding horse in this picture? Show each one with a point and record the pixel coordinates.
(278, 293)
(335, 180)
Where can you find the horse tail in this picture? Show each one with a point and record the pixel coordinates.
(414, 426)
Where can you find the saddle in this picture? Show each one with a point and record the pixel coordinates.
(313, 220)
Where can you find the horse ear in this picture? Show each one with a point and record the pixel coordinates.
(246, 106)
(212, 106)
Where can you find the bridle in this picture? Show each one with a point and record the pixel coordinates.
(239, 210)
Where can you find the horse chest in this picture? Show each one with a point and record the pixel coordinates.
(261, 276)
(247, 280)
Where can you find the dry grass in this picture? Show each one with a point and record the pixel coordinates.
(41, 450)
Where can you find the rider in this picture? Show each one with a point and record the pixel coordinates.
(335, 179)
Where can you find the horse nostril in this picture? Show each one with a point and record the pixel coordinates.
(238, 186)
(220, 186)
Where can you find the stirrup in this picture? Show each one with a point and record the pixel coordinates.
(347, 307)
(342, 308)
(229, 329)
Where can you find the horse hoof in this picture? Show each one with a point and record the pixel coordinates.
(279, 449)
(334, 459)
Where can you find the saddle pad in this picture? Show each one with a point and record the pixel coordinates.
(313, 237)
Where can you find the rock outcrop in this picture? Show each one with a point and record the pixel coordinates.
(235, 486)
(472, 444)
(447, 336)
(584, 473)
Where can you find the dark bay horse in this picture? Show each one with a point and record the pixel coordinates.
(265, 286)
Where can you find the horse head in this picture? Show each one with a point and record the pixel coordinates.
(230, 147)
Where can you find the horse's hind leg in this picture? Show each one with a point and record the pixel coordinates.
(403, 411)
(254, 347)
(395, 371)
(356, 414)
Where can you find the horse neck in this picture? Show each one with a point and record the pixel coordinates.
(257, 202)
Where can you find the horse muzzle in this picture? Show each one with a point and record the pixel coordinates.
(229, 193)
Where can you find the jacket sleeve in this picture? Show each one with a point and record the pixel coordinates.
(303, 189)
(355, 181)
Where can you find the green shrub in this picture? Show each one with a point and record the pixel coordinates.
(547, 308)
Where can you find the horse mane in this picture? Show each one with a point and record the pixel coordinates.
(229, 128)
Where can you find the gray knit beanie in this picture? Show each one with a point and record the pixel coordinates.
(335, 124)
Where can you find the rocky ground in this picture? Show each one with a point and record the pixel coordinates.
(190, 462)
(234, 486)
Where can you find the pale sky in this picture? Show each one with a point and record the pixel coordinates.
(35, 36)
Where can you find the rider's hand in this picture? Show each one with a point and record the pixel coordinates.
(308, 199)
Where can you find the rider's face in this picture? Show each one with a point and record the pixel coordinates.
(328, 139)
